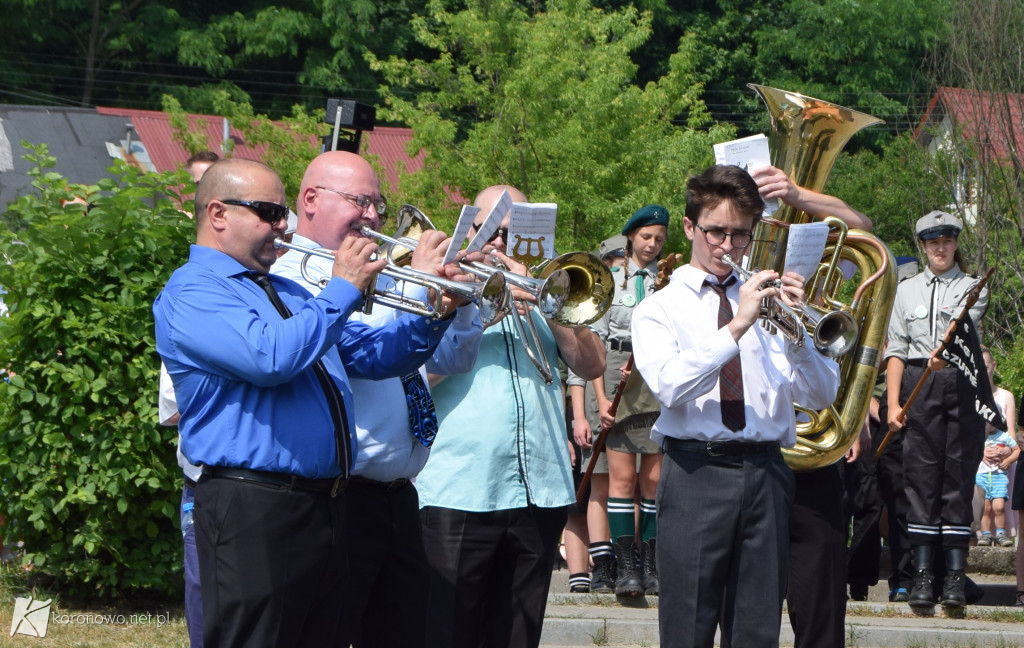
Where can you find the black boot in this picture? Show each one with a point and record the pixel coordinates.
(628, 581)
(602, 580)
(921, 595)
(954, 593)
(649, 566)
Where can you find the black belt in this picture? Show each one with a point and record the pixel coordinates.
(923, 362)
(388, 486)
(189, 483)
(621, 345)
(723, 448)
(280, 480)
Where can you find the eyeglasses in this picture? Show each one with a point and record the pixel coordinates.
(270, 212)
(501, 231)
(363, 202)
(718, 236)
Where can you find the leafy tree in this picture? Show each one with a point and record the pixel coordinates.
(545, 102)
(90, 481)
(864, 54)
(982, 59)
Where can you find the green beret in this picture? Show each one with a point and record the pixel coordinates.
(646, 215)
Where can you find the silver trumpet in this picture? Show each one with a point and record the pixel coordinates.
(551, 292)
(834, 333)
(490, 296)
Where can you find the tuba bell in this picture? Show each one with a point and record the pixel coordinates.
(806, 137)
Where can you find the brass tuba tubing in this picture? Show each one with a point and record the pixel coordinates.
(491, 296)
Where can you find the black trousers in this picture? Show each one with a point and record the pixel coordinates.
(863, 508)
(891, 490)
(388, 568)
(272, 564)
(816, 593)
(942, 446)
(489, 575)
(723, 544)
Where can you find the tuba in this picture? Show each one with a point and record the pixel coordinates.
(806, 137)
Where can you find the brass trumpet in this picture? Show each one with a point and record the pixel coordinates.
(833, 333)
(490, 296)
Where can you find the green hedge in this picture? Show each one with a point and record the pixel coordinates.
(89, 478)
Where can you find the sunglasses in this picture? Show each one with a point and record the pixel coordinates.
(501, 231)
(270, 212)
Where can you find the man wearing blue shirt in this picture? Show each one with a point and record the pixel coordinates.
(259, 370)
(387, 561)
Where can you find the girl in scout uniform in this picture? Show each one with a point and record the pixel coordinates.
(943, 434)
(645, 234)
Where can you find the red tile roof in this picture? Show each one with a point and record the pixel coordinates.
(989, 119)
(154, 129)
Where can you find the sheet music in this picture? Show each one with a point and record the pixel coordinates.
(805, 247)
(492, 222)
(466, 218)
(531, 230)
(749, 153)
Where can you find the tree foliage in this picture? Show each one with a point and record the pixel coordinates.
(90, 481)
(545, 102)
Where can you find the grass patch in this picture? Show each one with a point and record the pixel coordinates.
(155, 623)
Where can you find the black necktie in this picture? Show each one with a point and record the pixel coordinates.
(730, 379)
(422, 417)
(335, 402)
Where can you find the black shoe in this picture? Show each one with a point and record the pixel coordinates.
(921, 595)
(859, 592)
(602, 581)
(628, 581)
(649, 567)
(953, 595)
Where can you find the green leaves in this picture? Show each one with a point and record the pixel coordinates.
(90, 478)
(547, 102)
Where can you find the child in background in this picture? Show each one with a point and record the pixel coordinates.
(1001, 450)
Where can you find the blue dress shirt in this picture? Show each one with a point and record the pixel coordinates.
(243, 376)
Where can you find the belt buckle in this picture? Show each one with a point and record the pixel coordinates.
(715, 449)
(336, 485)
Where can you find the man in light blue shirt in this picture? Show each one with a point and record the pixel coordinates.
(259, 371)
(496, 486)
(386, 556)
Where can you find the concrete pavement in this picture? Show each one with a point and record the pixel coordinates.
(599, 619)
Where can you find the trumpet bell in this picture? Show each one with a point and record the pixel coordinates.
(835, 333)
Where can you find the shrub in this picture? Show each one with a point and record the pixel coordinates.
(90, 481)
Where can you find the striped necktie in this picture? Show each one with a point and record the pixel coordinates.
(730, 379)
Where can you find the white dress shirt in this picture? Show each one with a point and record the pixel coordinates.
(387, 448)
(679, 350)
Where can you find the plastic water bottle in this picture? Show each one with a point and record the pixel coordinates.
(186, 518)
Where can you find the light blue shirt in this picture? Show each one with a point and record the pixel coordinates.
(243, 376)
(387, 448)
(502, 441)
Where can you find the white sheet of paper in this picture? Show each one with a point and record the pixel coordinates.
(466, 218)
(804, 248)
(531, 230)
(492, 222)
(750, 153)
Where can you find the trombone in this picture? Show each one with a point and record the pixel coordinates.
(491, 296)
(834, 333)
(572, 290)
